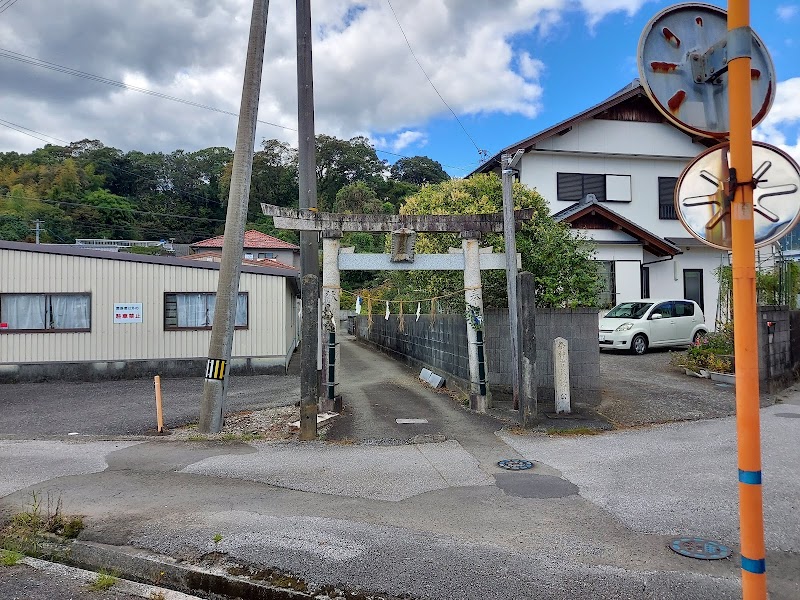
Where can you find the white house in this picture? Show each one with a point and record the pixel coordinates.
(610, 172)
(68, 313)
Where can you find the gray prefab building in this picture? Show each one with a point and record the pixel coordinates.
(81, 314)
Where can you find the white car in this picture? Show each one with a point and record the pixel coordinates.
(642, 324)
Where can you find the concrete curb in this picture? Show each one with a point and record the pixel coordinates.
(124, 586)
(141, 565)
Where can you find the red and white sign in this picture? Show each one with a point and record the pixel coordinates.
(128, 312)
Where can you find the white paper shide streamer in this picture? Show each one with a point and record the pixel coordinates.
(419, 308)
(358, 305)
(387, 311)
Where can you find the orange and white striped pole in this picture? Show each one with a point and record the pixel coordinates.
(751, 512)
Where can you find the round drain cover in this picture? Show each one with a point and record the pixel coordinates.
(515, 464)
(699, 548)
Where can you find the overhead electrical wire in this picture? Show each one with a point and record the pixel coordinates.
(6, 5)
(31, 60)
(481, 152)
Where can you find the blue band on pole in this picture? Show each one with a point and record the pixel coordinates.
(758, 567)
(751, 477)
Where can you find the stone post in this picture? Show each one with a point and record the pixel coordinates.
(331, 294)
(561, 374)
(528, 398)
(473, 296)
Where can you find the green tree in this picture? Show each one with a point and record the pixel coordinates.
(340, 162)
(419, 170)
(357, 198)
(560, 261)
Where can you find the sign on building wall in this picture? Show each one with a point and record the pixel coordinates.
(129, 312)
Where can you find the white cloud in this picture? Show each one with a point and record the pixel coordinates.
(787, 12)
(781, 127)
(407, 138)
(366, 79)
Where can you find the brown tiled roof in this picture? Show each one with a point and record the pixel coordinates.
(252, 239)
(261, 262)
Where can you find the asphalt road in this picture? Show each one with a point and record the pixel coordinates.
(126, 407)
(435, 521)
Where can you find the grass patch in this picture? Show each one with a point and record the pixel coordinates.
(575, 431)
(104, 581)
(8, 558)
(197, 437)
(157, 595)
(38, 521)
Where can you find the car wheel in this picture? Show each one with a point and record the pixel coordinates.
(639, 344)
(699, 336)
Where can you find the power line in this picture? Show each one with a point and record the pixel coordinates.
(24, 58)
(480, 151)
(8, 4)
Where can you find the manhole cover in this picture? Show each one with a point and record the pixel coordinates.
(784, 415)
(699, 548)
(515, 464)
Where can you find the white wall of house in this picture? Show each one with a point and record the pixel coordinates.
(640, 153)
(271, 300)
(286, 256)
(666, 278)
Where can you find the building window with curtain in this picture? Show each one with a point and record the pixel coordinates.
(195, 310)
(45, 313)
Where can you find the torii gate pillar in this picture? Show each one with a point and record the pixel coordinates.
(473, 297)
(330, 399)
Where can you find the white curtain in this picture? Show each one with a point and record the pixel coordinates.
(197, 310)
(69, 311)
(192, 310)
(241, 311)
(23, 311)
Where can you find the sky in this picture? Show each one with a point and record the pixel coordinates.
(502, 71)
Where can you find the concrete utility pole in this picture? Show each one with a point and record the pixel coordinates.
(528, 386)
(38, 229)
(309, 240)
(509, 233)
(473, 298)
(221, 345)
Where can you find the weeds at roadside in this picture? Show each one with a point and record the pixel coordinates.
(197, 438)
(104, 581)
(36, 523)
(8, 558)
(157, 595)
(575, 431)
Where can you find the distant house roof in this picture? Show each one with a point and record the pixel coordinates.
(631, 92)
(261, 262)
(252, 239)
(69, 250)
(590, 211)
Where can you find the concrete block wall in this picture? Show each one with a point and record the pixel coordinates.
(442, 347)
(777, 356)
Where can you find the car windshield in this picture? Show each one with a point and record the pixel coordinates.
(629, 310)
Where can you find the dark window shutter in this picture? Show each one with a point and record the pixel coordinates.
(666, 195)
(570, 186)
(595, 184)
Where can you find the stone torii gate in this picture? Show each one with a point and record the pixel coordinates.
(471, 259)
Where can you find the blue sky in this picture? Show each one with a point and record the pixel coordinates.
(582, 67)
(506, 69)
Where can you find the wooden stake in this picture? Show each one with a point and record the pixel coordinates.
(159, 411)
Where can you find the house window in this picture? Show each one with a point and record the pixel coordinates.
(645, 282)
(196, 310)
(266, 255)
(608, 285)
(666, 197)
(45, 313)
(573, 187)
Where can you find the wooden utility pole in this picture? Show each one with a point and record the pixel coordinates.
(509, 233)
(751, 509)
(219, 352)
(309, 240)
